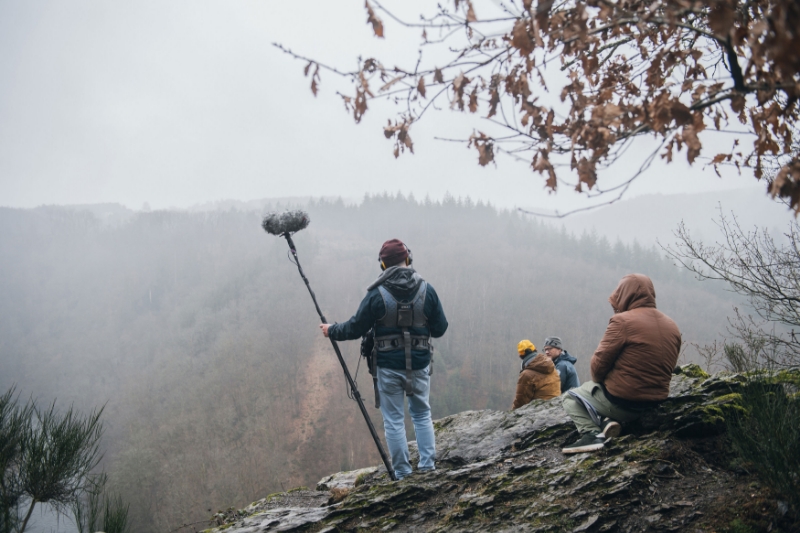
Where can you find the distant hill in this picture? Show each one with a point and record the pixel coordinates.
(645, 219)
(649, 218)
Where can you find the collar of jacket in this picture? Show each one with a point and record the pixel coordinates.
(398, 278)
(527, 359)
(565, 356)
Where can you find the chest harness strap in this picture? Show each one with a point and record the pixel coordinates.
(404, 315)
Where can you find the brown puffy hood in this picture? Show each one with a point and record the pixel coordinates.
(640, 347)
(541, 364)
(538, 381)
(634, 291)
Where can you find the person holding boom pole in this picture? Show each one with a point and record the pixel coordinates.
(404, 312)
(285, 226)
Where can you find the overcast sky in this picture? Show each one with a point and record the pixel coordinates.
(181, 102)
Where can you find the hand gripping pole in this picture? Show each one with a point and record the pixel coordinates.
(353, 386)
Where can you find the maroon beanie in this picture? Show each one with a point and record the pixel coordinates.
(393, 252)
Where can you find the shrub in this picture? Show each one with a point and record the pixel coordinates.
(737, 526)
(58, 454)
(766, 433)
(101, 511)
(13, 421)
(47, 457)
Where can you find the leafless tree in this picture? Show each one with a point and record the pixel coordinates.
(754, 265)
(712, 354)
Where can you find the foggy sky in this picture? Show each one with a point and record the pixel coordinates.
(181, 102)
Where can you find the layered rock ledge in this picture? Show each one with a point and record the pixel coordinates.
(504, 471)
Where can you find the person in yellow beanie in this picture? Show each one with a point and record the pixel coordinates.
(538, 378)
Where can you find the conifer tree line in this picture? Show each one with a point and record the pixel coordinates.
(199, 337)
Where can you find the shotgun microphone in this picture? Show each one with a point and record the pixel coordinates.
(288, 222)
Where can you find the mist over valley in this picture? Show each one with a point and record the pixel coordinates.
(199, 336)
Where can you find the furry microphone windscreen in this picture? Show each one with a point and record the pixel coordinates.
(288, 222)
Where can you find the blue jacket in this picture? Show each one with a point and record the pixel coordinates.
(569, 376)
(403, 283)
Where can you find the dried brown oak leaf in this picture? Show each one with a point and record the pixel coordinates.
(521, 39)
(372, 18)
(471, 13)
(787, 184)
(485, 148)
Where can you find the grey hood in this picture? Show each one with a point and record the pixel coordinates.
(566, 357)
(402, 281)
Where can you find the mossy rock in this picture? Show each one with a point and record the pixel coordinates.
(502, 471)
(692, 370)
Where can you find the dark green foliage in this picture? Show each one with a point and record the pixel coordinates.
(98, 510)
(13, 423)
(87, 511)
(737, 526)
(766, 434)
(115, 514)
(58, 454)
(45, 457)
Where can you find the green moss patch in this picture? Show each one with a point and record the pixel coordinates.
(693, 371)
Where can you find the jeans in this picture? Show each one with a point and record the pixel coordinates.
(594, 393)
(391, 384)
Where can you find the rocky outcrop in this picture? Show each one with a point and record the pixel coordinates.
(347, 480)
(504, 471)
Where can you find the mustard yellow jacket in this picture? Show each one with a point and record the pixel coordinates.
(537, 381)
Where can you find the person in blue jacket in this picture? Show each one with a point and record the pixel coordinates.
(554, 349)
(405, 312)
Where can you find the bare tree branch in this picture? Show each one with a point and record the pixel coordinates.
(667, 69)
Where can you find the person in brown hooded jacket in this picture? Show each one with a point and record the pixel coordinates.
(631, 368)
(538, 379)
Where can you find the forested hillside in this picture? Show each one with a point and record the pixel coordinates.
(200, 335)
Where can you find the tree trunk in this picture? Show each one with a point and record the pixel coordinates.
(27, 516)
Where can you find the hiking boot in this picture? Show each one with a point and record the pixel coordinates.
(589, 442)
(611, 429)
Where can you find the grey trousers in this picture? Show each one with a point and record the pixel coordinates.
(593, 392)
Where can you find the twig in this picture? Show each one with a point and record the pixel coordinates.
(604, 47)
(456, 22)
(321, 65)
(624, 186)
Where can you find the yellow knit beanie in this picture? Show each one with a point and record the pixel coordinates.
(524, 346)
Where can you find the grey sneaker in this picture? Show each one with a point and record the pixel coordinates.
(611, 429)
(589, 442)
